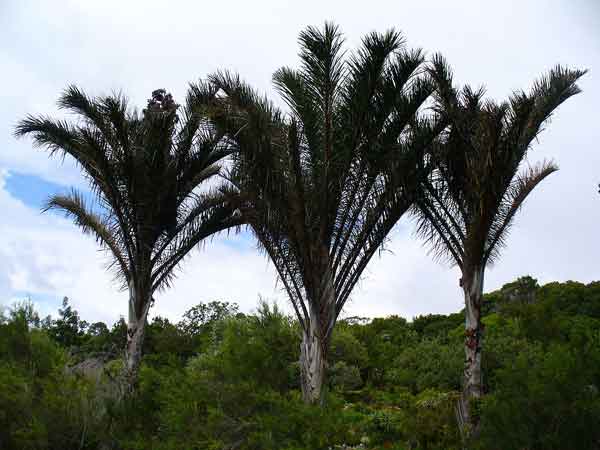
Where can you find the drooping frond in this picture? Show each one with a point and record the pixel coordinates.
(522, 185)
(205, 216)
(103, 229)
(439, 220)
(86, 145)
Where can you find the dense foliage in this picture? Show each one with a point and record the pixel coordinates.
(220, 379)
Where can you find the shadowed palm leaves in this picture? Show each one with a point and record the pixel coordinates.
(477, 186)
(145, 171)
(322, 186)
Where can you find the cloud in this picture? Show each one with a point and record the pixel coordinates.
(43, 256)
(405, 281)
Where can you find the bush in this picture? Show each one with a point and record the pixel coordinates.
(344, 377)
(545, 399)
(428, 364)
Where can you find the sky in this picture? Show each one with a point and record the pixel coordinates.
(137, 46)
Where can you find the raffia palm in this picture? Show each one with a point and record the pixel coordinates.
(322, 185)
(478, 185)
(145, 171)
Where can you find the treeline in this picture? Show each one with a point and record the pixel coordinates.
(221, 379)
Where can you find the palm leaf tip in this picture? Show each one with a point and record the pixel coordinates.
(74, 207)
(74, 98)
(521, 187)
(30, 124)
(559, 79)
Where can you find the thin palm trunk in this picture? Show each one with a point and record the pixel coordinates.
(472, 285)
(313, 362)
(316, 337)
(136, 325)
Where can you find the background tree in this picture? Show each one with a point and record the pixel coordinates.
(323, 185)
(477, 187)
(68, 330)
(145, 171)
(200, 317)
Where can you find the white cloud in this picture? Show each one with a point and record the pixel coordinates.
(43, 256)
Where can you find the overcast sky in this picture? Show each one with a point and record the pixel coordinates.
(138, 46)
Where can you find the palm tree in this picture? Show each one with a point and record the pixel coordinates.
(145, 171)
(477, 186)
(322, 186)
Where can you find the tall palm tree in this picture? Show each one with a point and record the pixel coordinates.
(145, 171)
(478, 185)
(323, 185)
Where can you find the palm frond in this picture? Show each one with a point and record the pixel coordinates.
(474, 191)
(209, 215)
(522, 185)
(532, 111)
(74, 207)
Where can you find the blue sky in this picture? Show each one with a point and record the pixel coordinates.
(136, 47)
(31, 189)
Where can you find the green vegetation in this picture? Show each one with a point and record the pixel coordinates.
(220, 379)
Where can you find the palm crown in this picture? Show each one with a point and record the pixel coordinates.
(478, 184)
(144, 170)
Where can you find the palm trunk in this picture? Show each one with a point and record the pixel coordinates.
(472, 284)
(139, 304)
(313, 364)
(314, 348)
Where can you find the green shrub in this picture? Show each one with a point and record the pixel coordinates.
(345, 377)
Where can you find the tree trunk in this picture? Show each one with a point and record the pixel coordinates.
(472, 284)
(313, 364)
(316, 337)
(139, 306)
